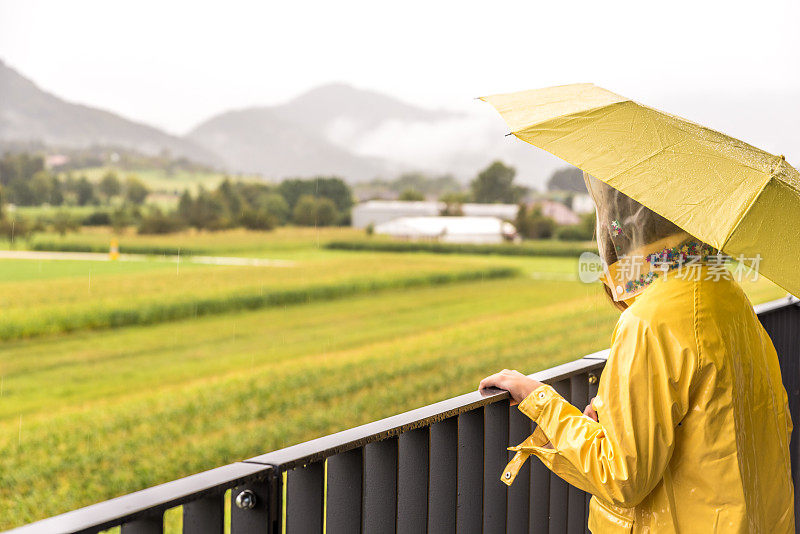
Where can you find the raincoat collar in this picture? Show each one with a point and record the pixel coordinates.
(634, 272)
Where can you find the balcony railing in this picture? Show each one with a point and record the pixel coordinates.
(433, 469)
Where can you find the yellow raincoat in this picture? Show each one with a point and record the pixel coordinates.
(693, 431)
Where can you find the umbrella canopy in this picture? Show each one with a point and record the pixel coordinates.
(733, 196)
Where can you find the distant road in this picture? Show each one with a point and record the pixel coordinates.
(103, 256)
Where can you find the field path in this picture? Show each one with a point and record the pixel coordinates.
(101, 256)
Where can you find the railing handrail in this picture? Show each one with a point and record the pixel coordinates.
(158, 499)
(326, 446)
(128, 507)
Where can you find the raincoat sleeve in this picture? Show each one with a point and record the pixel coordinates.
(642, 396)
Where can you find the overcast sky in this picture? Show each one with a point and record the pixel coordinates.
(174, 63)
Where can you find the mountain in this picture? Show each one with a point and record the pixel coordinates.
(311, 134)
(338, 129)
(259, 140)
(29, 114)
(325, 105)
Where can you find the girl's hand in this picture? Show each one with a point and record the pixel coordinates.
(519, 385)
(589, 410)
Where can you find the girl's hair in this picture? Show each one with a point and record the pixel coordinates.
(623, 225)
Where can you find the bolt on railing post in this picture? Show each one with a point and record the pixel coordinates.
(255, 507)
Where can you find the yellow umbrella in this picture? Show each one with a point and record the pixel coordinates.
(735, 197)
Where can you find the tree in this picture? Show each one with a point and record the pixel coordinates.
(315, 212)
(64, 222)
(532, 224)
(583, 231)
(230, 198)
(109, 185)
(41, 187)
(304, 212)
(84, 190)
(411, 194)
(158, 222)
(120, 218)
(453, 202)
(15, 229)
(496, 184)
(254, 219)
(326, 212)
(275, 205)
(206, 211)
(329, 187)
(185, 206)
(567, 179)
(135, 190)
(19, 167)
(56, 191)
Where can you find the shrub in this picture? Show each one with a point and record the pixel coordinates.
(157, 222)
(258, 219)
(97, 218)
(572, 232)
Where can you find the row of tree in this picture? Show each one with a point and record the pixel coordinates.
(323, 201)
(495, 183)
(26, 182)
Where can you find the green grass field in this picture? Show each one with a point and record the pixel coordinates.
(86, 414)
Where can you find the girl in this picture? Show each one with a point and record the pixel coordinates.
(689, 431)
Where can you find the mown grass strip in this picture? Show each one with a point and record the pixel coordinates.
(539, 248)
(159, 311)
(155, 250)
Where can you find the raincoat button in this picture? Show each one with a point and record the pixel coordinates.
(541, 394)
(619, 290)
(507, 475)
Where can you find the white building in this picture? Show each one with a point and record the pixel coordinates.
(507, 212)
(380, 211)
(582, 203)
(449, 229)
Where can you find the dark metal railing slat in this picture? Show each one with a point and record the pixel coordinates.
(593, 379)
(443, 485)
(559, 490)
(412, 480)
(495, 457)
(304, 498)
(539, 497)
(252, 515)
(345, 487)
(576, 519)
(380, 487)
(206, 515)
(469, 514)
(145, 525)
(519, 494)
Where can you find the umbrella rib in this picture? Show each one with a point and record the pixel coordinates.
(645, 158)
(744, 212)
(566, 119)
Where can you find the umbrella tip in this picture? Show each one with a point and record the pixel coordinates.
(509, 133)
